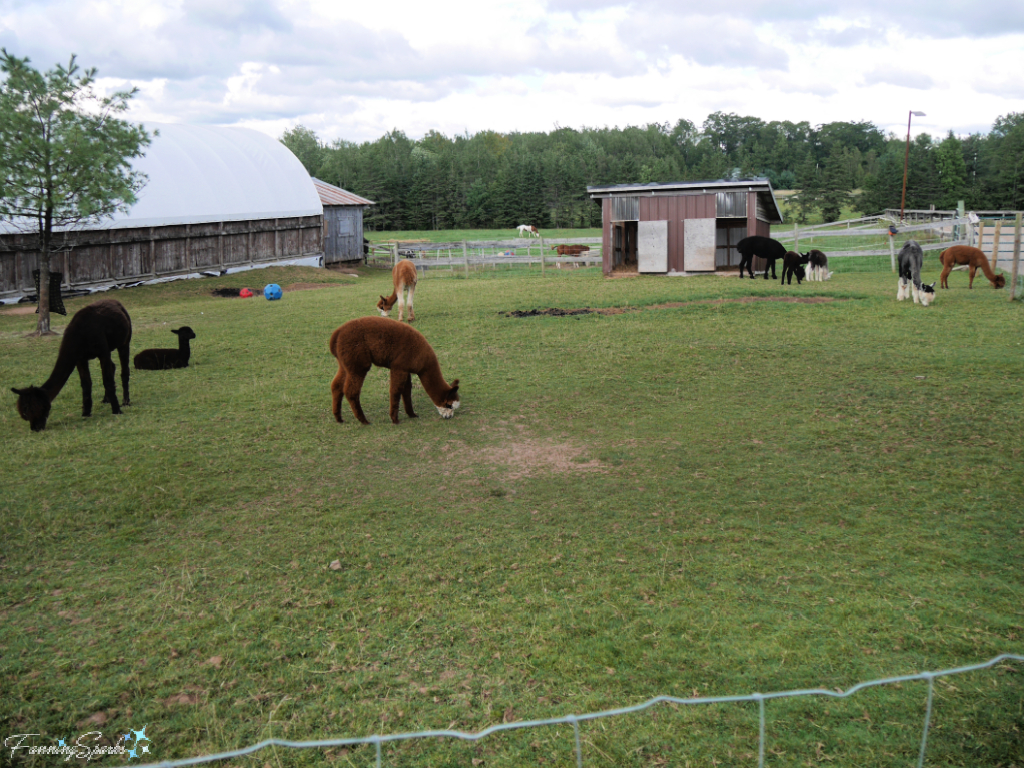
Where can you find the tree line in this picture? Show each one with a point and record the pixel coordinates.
(498, 180)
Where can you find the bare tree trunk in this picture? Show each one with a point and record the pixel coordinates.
(43, 326)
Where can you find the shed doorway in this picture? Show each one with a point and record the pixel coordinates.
(625, 235)
(727, 234)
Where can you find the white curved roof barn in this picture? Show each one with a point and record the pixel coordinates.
(199, 174)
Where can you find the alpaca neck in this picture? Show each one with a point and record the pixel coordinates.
(987, 269)
(433, 382)
(184, 351)
(62, 371)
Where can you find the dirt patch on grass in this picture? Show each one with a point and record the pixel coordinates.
(28, 309)
(527, 457)
(558, 312)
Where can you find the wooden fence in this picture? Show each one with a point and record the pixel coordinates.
(108, 257)
(480, 254)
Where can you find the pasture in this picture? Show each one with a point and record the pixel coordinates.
(692, 492)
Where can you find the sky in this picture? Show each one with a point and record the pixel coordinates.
(354, 71)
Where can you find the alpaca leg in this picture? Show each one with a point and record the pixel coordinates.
(108, 370)
(401, 303)
(337, 392)
(86, 379)
(903, 292)
(407, 397)
(353, 386)
(944, 277)
(916, 293)
(412, 290)
(123, 355)
(970, 283)
(401, 389)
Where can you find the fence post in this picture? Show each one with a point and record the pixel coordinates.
(1016, 257)
(394, 254)
(465, 256)
(542, 255)
(995, 242)
(892, 252)
(796, 238)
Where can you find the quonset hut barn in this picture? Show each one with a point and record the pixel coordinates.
(216, 198)
(682, 228)
(343, 222)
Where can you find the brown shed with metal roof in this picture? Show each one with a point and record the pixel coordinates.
(682, 228)
(343, 223)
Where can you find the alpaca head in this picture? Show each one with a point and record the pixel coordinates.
(184, 332)
(927, 294)
(34, 407)
(801, 273)
(449, 402)
(999, 282)
(384, 306)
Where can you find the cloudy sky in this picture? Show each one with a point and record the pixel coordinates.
(354, 70)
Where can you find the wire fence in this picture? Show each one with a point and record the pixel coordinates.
(574, 720)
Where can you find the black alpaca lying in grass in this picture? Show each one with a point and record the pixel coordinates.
(93, 332)
(765, 247)
(162, 359)
(792, 264)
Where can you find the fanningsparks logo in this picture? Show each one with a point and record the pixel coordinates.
(82, 748)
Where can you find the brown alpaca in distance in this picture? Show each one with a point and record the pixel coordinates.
(93, 332)
(367, 341)
(404, 277)
(974, 258)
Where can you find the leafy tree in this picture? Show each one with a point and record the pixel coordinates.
(305, 145)
(64, 157)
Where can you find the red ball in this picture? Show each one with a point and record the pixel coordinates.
(245, 293)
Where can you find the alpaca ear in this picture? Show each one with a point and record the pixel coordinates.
(176, 330)
(19, 392)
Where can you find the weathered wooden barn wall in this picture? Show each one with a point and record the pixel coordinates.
(118, 256)
(343, 233)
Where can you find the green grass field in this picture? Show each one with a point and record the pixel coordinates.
(677, 496)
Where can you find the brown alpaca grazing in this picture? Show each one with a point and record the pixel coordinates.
(974, 258)
(94, 331)
(368, 341)
(404, 278)
(164, 359)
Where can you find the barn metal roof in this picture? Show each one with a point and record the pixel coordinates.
(200, 174)
(760, 185)
(332, 195)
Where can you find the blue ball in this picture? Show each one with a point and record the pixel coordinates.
(272, 292)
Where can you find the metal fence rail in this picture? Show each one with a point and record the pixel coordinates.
(574, 720)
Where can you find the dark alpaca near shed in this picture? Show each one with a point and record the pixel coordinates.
(819, 265)
(94, 332)
(367, 341)
(764, 247)
(792, 264)
(163, 359)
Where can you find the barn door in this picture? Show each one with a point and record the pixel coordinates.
(699, 245)
(652, 246)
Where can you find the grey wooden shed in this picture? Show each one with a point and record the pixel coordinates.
(343, 223)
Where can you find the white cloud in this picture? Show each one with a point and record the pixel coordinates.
(355, 71)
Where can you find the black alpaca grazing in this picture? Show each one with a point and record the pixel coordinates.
(765, 247)
(792, 264)
(819, 265)
(94, 331)
(162, 359)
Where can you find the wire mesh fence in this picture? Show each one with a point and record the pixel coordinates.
(377, 741)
